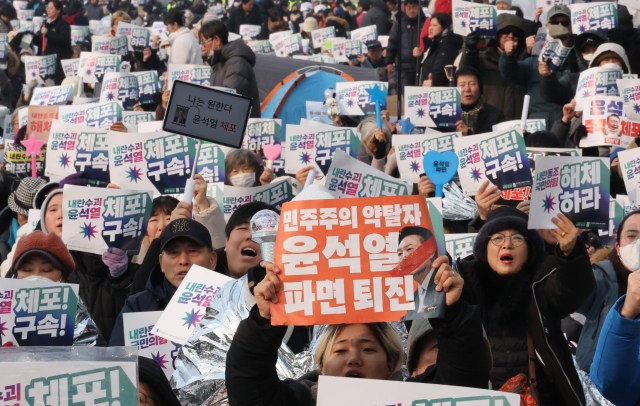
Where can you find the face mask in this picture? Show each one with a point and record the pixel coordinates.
(243, 179)
(587, 57)
(630, 256)
(611, 65)
(23, 58)
(39, 278)
(164, 54)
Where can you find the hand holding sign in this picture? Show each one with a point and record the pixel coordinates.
(440, 167)
(271, 152)
(567, 233)
(447, 280)
(34, 146)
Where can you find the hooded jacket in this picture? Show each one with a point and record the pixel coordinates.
(441, 51)
(379, 16)
(184, 48)
(233, 68)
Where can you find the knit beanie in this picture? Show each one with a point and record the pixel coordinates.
(49, 245)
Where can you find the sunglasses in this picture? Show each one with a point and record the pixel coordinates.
(564, 23)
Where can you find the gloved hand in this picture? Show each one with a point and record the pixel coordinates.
(44, 30)
(116, 260)
(78, 179)
(471, 41)
(32, 85)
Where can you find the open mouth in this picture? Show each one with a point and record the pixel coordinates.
(353, 374)
(248, 252)
(506, 259)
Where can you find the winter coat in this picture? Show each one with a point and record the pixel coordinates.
(6, 264)
(525, 73)
(487, 118)
(6, 218)
(616, 365)
(5, 27)
(94, 11)
(548, 292)
(238, 17)
(441, 51)
(58, 42)
(233, 68)
(252, 379)
(379, 16)
(6, 92)
(155, 297)
(184, 48)
(410, 39)
(16, 73)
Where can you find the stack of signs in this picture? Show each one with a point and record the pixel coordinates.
(122, 87)
(460, 246)
(76, 148)
(316, 146)
(40, 68)
(96, 219)
(600, 17)
(100, 115)
(321, 35)
(275, 194)
(411, 149)
(498, 157)
(147, 86)
(368, 35)
(574, 186)
(553, 53)
(54, 95)
(260, 47)
(437, 107)
(70, 67)
(616, 214)
(541, 39)
(138, 37)
(36, 313)
(196, 74)
(629, 90)
(348, 177)
(79, 34)
(597, 81)
(249, 31)
(93, 66)
(469, 17)
(630, 168)
(262, 132)
(287, 46)
(109, 45)
(606, 124)
(137, 117)
(161, 162)
(354, 100)
(531, 125)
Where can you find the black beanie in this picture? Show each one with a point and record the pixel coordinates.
(150, 373)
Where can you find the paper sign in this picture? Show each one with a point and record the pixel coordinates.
(40, 68)
(354, 100)
(78, 34)
(99, 115)
(249, 31)
(20, 5)
(630, 167)
(541, 39)
(137, 117)
(39, 121)
(17, 161)
(629, 90)
(597, 81)
(276, 36)
(53, 95)
(384, 40)
(574, 186)
(469, 17)
(93, 66)
(368, 35)
(70, 67)
(261, 132)
(260, 47)
(340, 262)
(109, 45)
(437, 107)
(553, 53)
(547, 4)
(122, 87)
(147, 86)
(616, 214)
(189, 304)
(497, 157)
(95, 219)
(196, 74)
(531, 126)
(137, 333)
(286, 46)
(35, 313)
(353, 48)
(410, 150)
(348, 177)
(600, 17)
(460, 246)
(321, 35)
(602, 117)
(138, 37)
(275, 194)
(33, 220)
(338, 49)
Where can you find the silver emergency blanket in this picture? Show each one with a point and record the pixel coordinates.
(591, 393)
(456, 205)
(200, 365)
(85, 332)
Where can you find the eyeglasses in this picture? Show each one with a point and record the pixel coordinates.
(143, 398)
(201, 43)
(564, 23)
(630, 236)
(516, 239)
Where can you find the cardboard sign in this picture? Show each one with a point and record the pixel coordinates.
(99, 115)
(196, 74)
(139, 37)
(39, 120)
(137, 117)
(122, 87)
(553, 53)
(437, 107)
(321, 35)
(95, 219)
(287, 46)
(208, 114)
(40, 68)
(597, 82)
(600, 17)
(348, 177)
(531, 126)
(460, 246)
(469, 17)
(93, 66)
(368, 35)
(630, 166)
(147, 86)
(499, 157)
(275, 194)
(110, 45)
(340, 262)
(574, 186)
(354, 100)
(249, 31)
(35, 313)
(616, 214)
(189, 304)
(70, 67)
(54, 95)
(410, 150)
(260, 47)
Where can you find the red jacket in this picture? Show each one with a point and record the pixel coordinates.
(442, 6)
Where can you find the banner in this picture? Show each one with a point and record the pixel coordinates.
(411, 149)
(260, 47)
(553, 53)
(53, 95)
(321, 35)
(39, 120)
(574, 186)
(40, 68)
(287, 46)
(137, 117)
(109, 45)
(316, 146)
(341, 262)
(497, 157)
(122, 87)
(275, 194)
(368, 35)
(469, 17)
(189, 304)
(460, 246)
(196, 74)
(147, 86)
(100, 115)
(532, 125)
(70, 67)
(354, 100)
(138, 37)
(437, 107)
(95, 219)
(249, 31)
(35, 313)
(600, 17)
(79, 34)
(93, 66)
(597, 81)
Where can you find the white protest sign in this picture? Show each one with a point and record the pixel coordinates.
(384, 40)
(437, 107)
(70, 67)
(597, 81)
(630, 167)
(249, 31)
(275, 194)
(368, 35)
(137, 117)
(276, 36)
(629, 90)
(40, 68)
(287, 46)
(411, 149)
(122, 87)
(196, 74)
(317, 111)
(354, 100)
(553, 53)
(139, 37)
(78, 34)
(94, 65)
(109, 45)
(319, 36)
(460, 246)
(541, 37)
(260, 47)
(469, 17)
(100, 115)
(54, 95)
(33, 220)
(532, 125)
(603, 117)
(598, 16)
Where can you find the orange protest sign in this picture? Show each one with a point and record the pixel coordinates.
(356, 261)
(39, 121)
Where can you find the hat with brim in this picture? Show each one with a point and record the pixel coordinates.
(21, 200)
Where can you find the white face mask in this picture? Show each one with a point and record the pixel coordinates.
(243, 179)
(587, 57)
(39, 278)
(23, 58)
(611, 65)
(630, 256)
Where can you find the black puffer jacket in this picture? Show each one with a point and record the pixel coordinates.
(58, 42)
(379, 16)
(238, 17)
(442, 51)
(410, 39)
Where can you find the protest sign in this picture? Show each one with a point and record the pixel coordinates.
(94, 65)
(316, 146)
(287, 46)
(249, 31)
(37, 23)
(137, 333)
(150, 127)
(138, 37)
(547, 4)
(340, 391)
(321, 35)
(4, 55)
(160, 27)
(317, 111)
(532, 125)
(20, 5)
(469, 17)
(276, 36)
(189, 304)
(348, 177)
(78, 34)
(574, 186)
(147, 86)
(368, 35)
(18, 162)
(629, 91)
(70, 67)
(36, 313)
(100, 115)
(597, 81)
(600, 17)
(40, 68)
(23, 114)
(354, 100)
(261, 132)
(336, 256)
(161, 162)
(109, 45)
(39, 120)
(602, 117)
(460, 246)
(76, 148)
(384, 40)
(25, 15)
(53, 95)
(275, 194)
(95, 219)
(437, 107)
(553, 53)
(411, 149)
(122, 87)
(137, 117)
(499, 157)
(353, 48)
(616, 214)
(338, 51)
(196, 74)
(260, 47)
(26, 25)
(538, 44)
(33, 220)
(630, 168)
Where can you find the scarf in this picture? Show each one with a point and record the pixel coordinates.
(470, 114)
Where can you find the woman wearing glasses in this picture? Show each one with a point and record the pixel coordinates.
(523, 292)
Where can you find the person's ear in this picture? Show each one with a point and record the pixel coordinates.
(226, 244)
(214, 259)
(618, 248)
(160, 261)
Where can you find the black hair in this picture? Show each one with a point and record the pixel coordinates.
(174, 17)
(215, 28)
(394, 2)
(624, 220)
(518, 11)
(414, 2)
(421, 232)
(542, 139)
(164, 204)
(267, 4)
(244, 213)
(444, 20)
(56, 3)
(365, 4)
(470, 71)
(9, 11)
(245, 1)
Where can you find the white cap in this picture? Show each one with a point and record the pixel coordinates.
(306, 6)
(319, 8)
